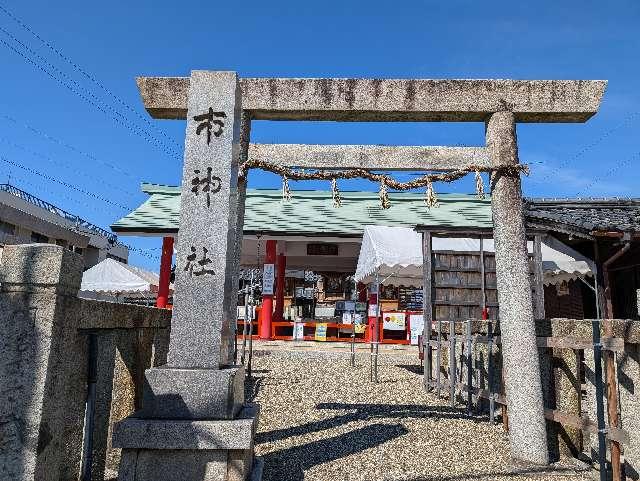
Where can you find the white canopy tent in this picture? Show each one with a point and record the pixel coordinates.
(111, 279)
(395, 254)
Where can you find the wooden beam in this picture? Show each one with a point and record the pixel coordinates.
(585, 424)
(391, 100)
(370, 157)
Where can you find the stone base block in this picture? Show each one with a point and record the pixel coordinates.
(173, 393)
(168, 450)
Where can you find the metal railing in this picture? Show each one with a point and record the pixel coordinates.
(78, 221)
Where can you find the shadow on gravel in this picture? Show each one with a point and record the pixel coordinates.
(366, 412)
(290, 464)
(252, 385)
(499, 475)
(412, 368)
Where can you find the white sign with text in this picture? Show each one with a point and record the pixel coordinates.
(268, 279)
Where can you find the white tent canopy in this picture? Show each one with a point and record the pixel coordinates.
(115, 278)
(395, 253)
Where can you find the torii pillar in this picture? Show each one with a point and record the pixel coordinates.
(527, 425)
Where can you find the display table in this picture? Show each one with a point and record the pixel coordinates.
(338, 332)
(285, 331)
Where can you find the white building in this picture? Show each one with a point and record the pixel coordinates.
(25, 219)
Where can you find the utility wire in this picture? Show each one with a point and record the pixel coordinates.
(61, 195)
(63, 164)
(86, 74)
(618, 165)
(66, 184)
(627, 121)
(83, 93)
(69, 146)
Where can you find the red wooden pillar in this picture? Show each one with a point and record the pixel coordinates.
(165, 272)
(372, 335)
(267, 299)
(281, 264)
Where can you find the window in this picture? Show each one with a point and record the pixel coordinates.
(6, 228)
(116, 258)
(35, 237)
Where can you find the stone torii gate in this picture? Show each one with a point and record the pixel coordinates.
(193, 425)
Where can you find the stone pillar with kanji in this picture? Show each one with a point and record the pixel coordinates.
(194, 424)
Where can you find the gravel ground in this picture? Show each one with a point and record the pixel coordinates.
(323, 420)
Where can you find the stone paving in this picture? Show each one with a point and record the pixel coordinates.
(323, 420)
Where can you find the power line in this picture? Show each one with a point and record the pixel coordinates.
(78, 90)
(69, 146)
(611, 171)
(63, 164)
(628, 120)
(142, 252)
(89, 76)
(66, 184)
(40, 188)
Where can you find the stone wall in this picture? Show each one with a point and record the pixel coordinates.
(568, 380)
(44, 346)
(129, 340)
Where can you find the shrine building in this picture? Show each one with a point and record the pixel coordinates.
(315, 247)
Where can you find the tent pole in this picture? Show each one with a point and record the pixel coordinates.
(375, 337)
(427, 306)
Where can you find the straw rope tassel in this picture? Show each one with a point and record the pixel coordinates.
(430, 197)
(286, 192)
(385, 203)
(335, 194)
(479, 185)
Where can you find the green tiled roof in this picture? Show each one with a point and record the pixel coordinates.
(312, 212)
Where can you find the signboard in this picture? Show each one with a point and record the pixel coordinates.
(298, 331)
(322, 249)
(416, 321)
(268, 279)
(321, 331)
(373, 310)
(393, 321)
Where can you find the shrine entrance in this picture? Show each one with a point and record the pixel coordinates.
(194, 404)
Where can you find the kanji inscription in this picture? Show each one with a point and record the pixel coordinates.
(209, 184)
(192, 265)
(208, 120)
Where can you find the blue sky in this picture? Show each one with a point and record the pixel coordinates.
(99, 144)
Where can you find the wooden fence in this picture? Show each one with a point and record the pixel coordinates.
(463, 362)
